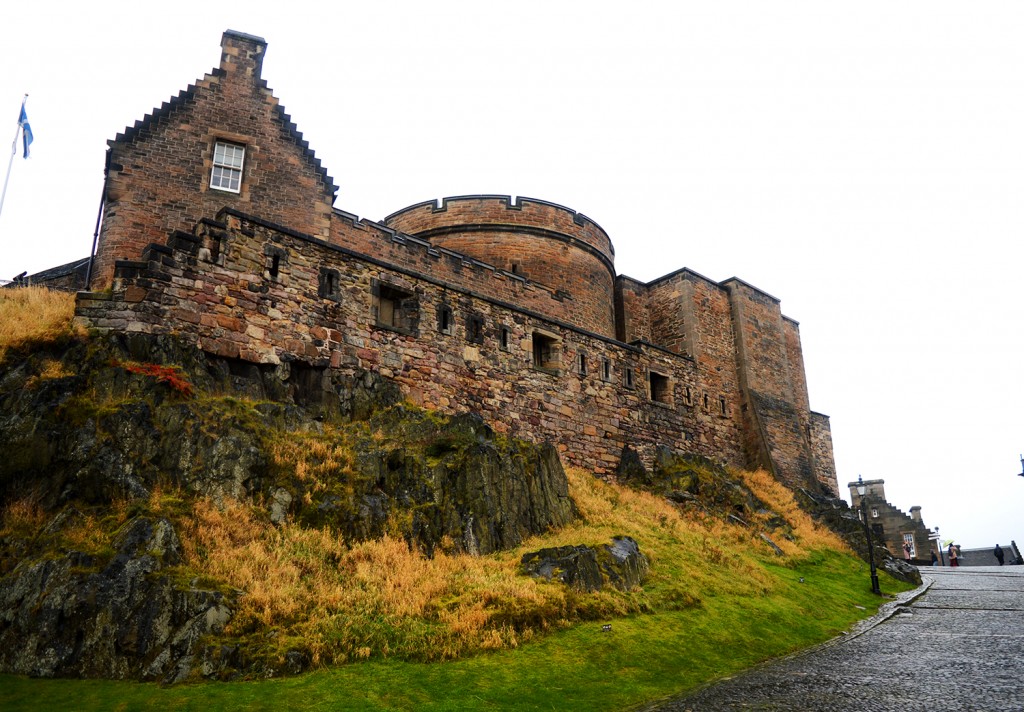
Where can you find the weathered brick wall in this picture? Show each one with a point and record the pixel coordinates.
(541, 241)
(215, 288)
(795, 360)
(821, 447)
(159, 170)
(632, 321)
(384, 244)
(776, 428)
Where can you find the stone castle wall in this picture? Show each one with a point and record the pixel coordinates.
(214, 288)
(508, 308)
(541, 241)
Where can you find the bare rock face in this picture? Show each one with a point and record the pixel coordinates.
(453, 479)
(899, 569)
(618, 564)
(81, 615)
(110, 420)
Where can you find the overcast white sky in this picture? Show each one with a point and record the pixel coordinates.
(861, 161)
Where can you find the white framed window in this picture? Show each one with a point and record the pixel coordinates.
(227, 166)
(908, 540)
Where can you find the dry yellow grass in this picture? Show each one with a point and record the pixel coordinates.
(315, 459)
(807, 533)
(22, 516)
(343, 601)
(34, 314)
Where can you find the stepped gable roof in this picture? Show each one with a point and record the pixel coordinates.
(188, 94)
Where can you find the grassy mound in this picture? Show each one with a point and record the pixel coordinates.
(718, 600)
(31, 315)
(388, 627)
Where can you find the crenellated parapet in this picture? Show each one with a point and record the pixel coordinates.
(539, 240)
(247, 289)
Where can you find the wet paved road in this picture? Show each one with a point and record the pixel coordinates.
(958, 646)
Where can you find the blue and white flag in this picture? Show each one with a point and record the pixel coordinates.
(26, 129)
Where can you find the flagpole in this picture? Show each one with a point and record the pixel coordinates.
(14, 150)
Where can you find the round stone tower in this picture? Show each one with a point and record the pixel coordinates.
(545, 243)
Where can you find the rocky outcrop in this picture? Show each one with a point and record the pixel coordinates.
(113, 416)
(618, 565)
(122, 617)
(445, 480)
(105, 422)
(899, 569)
(695, 481)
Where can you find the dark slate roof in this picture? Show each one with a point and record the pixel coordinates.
(55, 272)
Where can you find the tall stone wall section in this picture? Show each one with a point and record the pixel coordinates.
(821, 449)
(777, 432)
(158, 170)
(632, 319)
(213, 286)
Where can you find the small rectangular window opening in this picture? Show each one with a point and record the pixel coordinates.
(707, 402)
(546, 352)
(628, 377)
(275, 257)
(721, 405)
(505, 337)
(396, 308)
(445, 319)
(228, 159)
(606, 370)
(660, 390)
(329, 283)
(908, 539)
(475, 330)
(582, 364)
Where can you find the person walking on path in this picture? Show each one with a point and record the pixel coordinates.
(906, 551)
(935, 559)
(952, 555)
(999, 554)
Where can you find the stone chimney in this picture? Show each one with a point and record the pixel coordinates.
(242, 54)
(915, 514)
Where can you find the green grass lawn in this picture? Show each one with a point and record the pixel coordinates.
(642, 658)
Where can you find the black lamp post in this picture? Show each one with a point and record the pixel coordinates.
(1021, 473)
(862, 491)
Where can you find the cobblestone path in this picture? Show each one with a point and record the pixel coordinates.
(959, 646)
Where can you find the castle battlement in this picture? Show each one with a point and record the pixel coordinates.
(218, 225)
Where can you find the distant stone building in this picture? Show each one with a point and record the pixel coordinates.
(219, 225)
(986, 556)
(891, 525)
